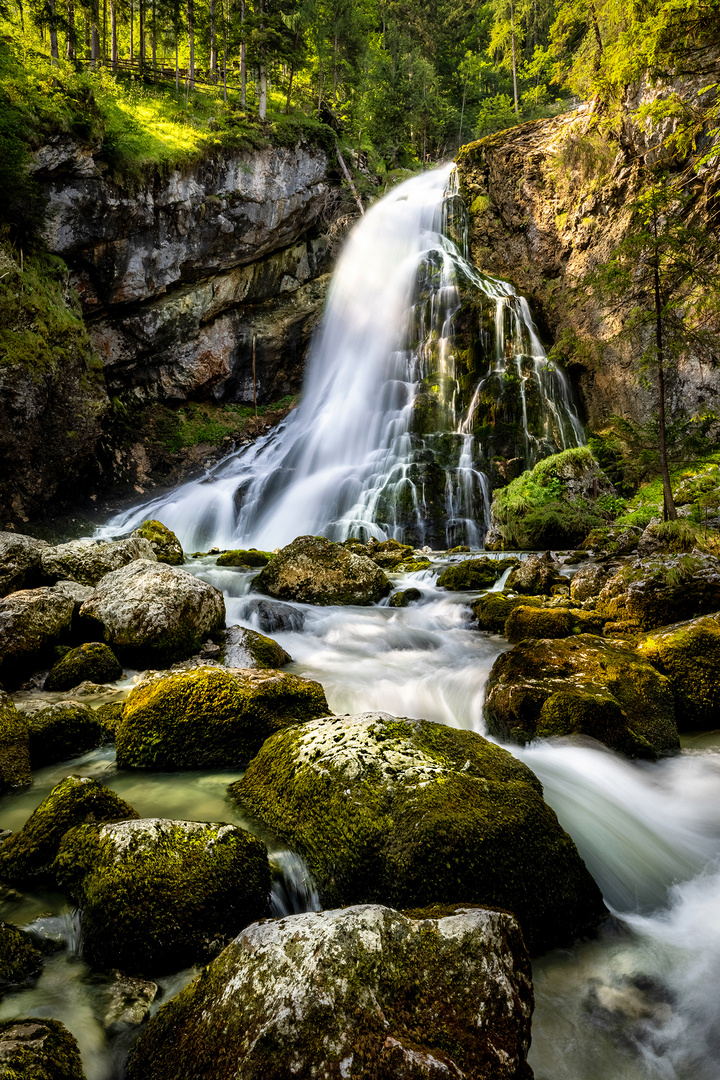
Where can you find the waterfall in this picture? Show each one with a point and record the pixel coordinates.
(424, 369)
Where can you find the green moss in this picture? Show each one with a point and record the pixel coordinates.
(662, 590)
(264, 651)
(109, 715)
(26, 857)
(61, 731)
(241, 557)
(689, 654)
(404, 598)
(20, 961)
(474, 574)
(412, 566)
(492, 609)
(32, 1049)
(94, 661)
(533, 622)
(14, 746)
(165, 543)
(313, 570)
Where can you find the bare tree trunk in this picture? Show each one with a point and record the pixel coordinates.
(243, 67)
(70, 35)
(191, 44)
(598, 39)
(132, 32)
(113, 36)
(154, 42)
(462, 111)
(670, 511)
(177, 67)
(514, 60)
(348, 177)
(141, 36)
(104, 36)
(262, 104)
(53, 34)
(225, 48)
(94, 33)
(213, 45)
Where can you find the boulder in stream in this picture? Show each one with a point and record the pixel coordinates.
(408, 812)
(87, 561)
(313, 570)
(20, 960)
(245, 648)
(93, 661)
(535, 576)
(32, 1049)
(689, 654)
(157, 895)
(19, 562)
(31, 621)
(475, 574)
(584, 685)
(363, 991)
(526, 621)
(163, 541)
(246, 558)
(588, 582)
(648, 593)
(14, 746)
(209, 717)
(63, 730)
(150, 613)
(493, 609)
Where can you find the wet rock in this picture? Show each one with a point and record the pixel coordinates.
(152, 613)
(588, 582)
(535, 575)
(38, 1050)
(412, 566)
(61, 731)
(559, 622)
(613, 540)
(363, 990)
(157, 895)
(14, 746)
(583, 685)
(125, 1002)
(243, 557)
(273, 616)
(86, 561)
(492, 609)
(244, 648)
(656, 592)
(410, 812)
(31, 621)
(163, 541)
(475, 574)
(110, 715)
(27, 856)
(19, 562)
(388, 554)
(405, 598)
(313, 570)
(93, 661)
(689, 654)
(20, 961)
(211, 717)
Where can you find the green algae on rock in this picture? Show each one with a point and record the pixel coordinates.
(93, 661)
(14, 746)
(527, 621)
(474, 574)
(313, 570)
(244, 557)
(364, 991)
(211, 717)
(63, 730)
(245, 648)
(492, 609)
(27, 856)
(411, 812)
(158, 895)
(32, 1049)
(689, 654)
(583, 685)
(20, 960)
(657, 592)
(163, 541)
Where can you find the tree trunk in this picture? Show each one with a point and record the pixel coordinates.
(132, 35)
(154, 42)
(95, 33)
(243, 68)
(70, 36)
(191, 44)
(141, 36)
(670, 511)
(104, 36)
(225, 48)
(113, 36)
(213, 45)
(262, 104)
(177, 66)
(53, 34)
(514, 60)
(598, 39)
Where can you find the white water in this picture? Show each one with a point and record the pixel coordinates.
(348, 461)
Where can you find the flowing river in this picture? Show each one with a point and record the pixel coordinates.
(641, 1001)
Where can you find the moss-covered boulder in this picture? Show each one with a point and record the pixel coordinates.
(93, 661)
(413, 566)
(247, 557)
(365, 991)
(163, 541)
(109, 715)
(588, 582)
(657, 592)
(492, 609)
(313, 570)
(404, 598)
(474, 574)
(20, 960)
(613, 540)
(14, 746)
(211, 717)
(244, 648)
(27, 856)
(31, 622)
(19, 562)
(388, 554)
(407, 812)
(535, 576)
(63, 730)
(689, 654)
(583, 685)
(160, 895)
(151, 613)
(38, 1050)
(526, 621)
(87, 561)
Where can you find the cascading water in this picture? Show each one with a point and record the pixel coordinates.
(394, 435)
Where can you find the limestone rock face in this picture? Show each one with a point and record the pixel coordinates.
(86, 561)
(150, 612)
(31, 620)
(581, 685)
(19, 561)
(313, 570)
(14, 746)
(407, 812)
(689, 654)
(426, 997)
(648, 593)
(93, 661)
(161, 895)
(39, 1050)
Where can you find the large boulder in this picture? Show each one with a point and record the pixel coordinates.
(26, 857)
(588, 581)
(14, 746)
(535, 576)
(244, 648)
(313, 570)
(32, 1049)
(163, 541)
(583, 685)
(160, 895)
(689, 654)
(63, 730)
(210, 717)
(407, 812)
(474, 574)
(365, 991)
(648, 593)
(86, 561)
(493, 608)
(19, 562)
(20, 960)
(31, 621)
(526, 621)
(93, 661)
(149, 612)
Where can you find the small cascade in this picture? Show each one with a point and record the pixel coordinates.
(424, 375)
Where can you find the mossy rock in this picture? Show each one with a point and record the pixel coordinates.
(63, 730)
(360, 992)
(313, 570)
(412, 566)
(404, 598)
(27, 856)
(211, 717)
(242, 557)
(613, 540)
(525, 621)
(689, 654)
(408, 812)
(87, 561)
(163, 541)
(583, 685)
(474, 574)
(661, 591)
(32, 1049)
(156, 895)
(14, 746)
(20, 960)
(588, 582)
(493, 609)
(536, 576)
(93, 661)
(19, 562)
(109, 715)
(245, 648)
(389, 554)
(32, 621)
